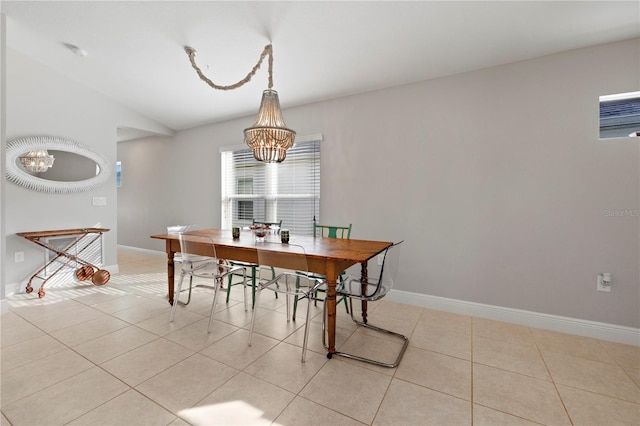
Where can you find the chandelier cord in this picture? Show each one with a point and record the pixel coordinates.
(268, 50)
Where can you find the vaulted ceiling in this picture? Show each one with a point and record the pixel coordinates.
(322, 50)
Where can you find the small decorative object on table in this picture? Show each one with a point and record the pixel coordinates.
(236, 233)
(260, 231)
(284, 236)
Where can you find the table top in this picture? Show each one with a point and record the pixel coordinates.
(351, 250)
(61, 232)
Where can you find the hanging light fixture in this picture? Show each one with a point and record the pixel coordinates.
(37, 161)
(269, 137)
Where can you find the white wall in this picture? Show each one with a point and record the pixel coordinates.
(495, 179)
(40, 101)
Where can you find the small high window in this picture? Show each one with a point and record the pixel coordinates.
(620, 115)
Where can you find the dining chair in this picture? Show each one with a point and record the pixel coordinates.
(253, 267)
(191, 244)
(372, 289)
(287, 282)
(194, 261)
(329, 231)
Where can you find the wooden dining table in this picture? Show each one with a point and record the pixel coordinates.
(326, 256)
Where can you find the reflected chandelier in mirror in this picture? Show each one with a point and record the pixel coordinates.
(21, 175)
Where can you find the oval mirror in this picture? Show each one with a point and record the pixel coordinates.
(55, 165)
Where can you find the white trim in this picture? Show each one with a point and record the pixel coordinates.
(580, 327)
(299, 139)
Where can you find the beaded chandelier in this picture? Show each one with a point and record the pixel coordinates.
(269, 137)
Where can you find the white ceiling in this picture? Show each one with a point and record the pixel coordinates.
(322, 50)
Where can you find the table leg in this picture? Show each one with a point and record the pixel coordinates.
(332, 277)
(364, 277)
(170, 271)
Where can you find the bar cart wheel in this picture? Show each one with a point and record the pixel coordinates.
(101, 277)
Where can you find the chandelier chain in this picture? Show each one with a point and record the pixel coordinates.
(268, 50)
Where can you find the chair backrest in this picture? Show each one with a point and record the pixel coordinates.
(388, 271)
(194, 245)
(277, 225)
(331, 231)
(284, 256)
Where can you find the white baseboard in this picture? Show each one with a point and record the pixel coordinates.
(593, 329)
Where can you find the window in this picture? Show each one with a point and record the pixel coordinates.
(287, 191)
(620, 115)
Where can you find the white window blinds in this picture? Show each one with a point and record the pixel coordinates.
(287, 191)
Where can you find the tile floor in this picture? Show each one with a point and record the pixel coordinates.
(86, 355)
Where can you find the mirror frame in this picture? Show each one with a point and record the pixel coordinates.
(18, 176)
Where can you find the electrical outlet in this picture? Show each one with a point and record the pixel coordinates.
(99, 201)
(18, 257)
(600, 286)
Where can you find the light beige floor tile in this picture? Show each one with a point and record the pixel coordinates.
(373, 348)
(16, 329)
(119, 303)
(586, 408)
(446, 341)
(409, 404)
(521, 359)
(29, 352)
(236, 412)
(59, 320)
(625, 355)
(23, 381)
(282, 367)
(66, 400)
(275, 325)
(633, 374)
(144, 362)
(195, 336)
(161, 325)
(89, 330)
(236, 315)
(594, 376)
(4, 421)
(568, 344)
(484, 416)
(503, 331)
(263, 396)
(114, 344)
(100, 294)
(522, 396)
(234, 349)
(337, 382)
(439, 372)
(386, 308)
(457, 323)
(397, 325)
(315, 337)
(34, 309)
(128, 409)
(187, 382)
(143, 311)
(301, 411)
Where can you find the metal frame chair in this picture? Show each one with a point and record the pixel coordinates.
(194, 266)
(288, 282)
(193, 262)
(328, 231)
(370, 290)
